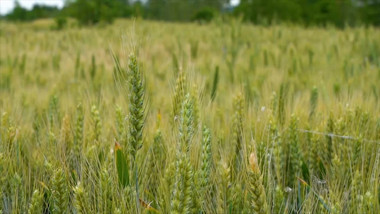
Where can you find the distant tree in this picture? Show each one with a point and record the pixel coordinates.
(338, 12)
(156, 8)
(204, 15)
(18, 14)
(89, 12)
(137, 10)
(370, 11)
(183, 10)
(42, 11)
(60, 22)
(39, 11)
(306, 12)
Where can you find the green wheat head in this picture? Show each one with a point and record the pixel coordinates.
(179, 96)
(97, 123)
(238, 133)
(256, 188)
(182, 189)
(186, 126)
(294, 156)
(60, 192)
(81, 202)
(78, 132)
(36, 203)
(136, 106)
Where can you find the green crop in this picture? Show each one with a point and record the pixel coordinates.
(153, 117)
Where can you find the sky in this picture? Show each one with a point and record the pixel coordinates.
(7, 6)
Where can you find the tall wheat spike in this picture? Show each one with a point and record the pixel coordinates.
(60, 192)
(328, 149)
(278, 200)
(156, 161)
(205, 168)
(81, 202)
(66, 138)
(186, 127)
(136, 106)
(281, 114)
(194, 100)
(166, 187)
(106, 191)
(224, 193)
(2, 182)
(315, 159)
(277, 151)
(179, 96)
(120, 124)
(182, 192)
(238, 133)
(36, 203)
(256, 188)
(78, 134)
(97, 123)
(294, 156)
(356, 200)
(136, 118)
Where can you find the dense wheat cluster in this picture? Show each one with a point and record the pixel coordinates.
(149, 117)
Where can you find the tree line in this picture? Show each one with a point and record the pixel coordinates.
(307, 12)
(311, 12)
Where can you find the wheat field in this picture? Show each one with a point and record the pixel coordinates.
(154, 117)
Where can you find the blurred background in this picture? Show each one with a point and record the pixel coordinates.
(340, 13)
(291, 84)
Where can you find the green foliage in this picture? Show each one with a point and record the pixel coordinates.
(182, 10)
(204, 15)
(93, 67)
(38, 11)
(370, 12)
(319, 12)
(121, 166)
(60, 22)
(215, 83)
(313, 101)
(89, 12)
(316, 12)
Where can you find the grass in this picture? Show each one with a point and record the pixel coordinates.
(216, 118)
